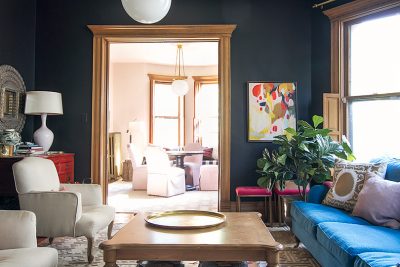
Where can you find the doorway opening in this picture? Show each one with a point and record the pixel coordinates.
(104, 36)
(144, 110)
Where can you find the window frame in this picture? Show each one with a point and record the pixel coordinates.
(198, 82)
(342, 17)
(165, 79)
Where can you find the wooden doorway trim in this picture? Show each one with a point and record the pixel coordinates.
(103, 35)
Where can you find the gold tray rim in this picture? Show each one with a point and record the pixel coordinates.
(214, 214)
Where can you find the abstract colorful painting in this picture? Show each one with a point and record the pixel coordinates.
(271, 108)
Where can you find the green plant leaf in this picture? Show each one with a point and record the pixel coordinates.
(282, 159)
(261, 163)
(304, 124)
(317, 120)
(290, 131)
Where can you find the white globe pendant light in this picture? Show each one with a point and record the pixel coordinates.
(146, 11)
(180, 85)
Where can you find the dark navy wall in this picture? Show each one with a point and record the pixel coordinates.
(17, 44)
(272, 42)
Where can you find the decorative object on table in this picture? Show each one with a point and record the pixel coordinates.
(185, 219)
(271, 109)
(348, 181)
(12, 91)
(9, 138)
(28, 148)
(180, 85)
(43, 103)
(303, 155)
(147, 12)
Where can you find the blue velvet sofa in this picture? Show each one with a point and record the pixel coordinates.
(337, 239)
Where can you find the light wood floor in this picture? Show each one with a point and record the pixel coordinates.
(124, 199)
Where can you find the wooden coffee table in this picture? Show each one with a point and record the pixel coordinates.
(242, 237)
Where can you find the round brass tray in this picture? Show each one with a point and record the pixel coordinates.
(185, 219)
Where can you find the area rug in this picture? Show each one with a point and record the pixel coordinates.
(72, 252)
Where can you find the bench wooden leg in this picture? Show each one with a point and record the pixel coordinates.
(270, 209)
(237, 203)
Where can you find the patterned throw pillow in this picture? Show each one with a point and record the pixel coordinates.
(348, 180)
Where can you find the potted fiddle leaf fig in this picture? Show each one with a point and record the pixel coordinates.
(302, 156)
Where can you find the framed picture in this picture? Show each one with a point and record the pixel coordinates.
(271, 109)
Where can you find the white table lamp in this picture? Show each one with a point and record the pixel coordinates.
(43, 103)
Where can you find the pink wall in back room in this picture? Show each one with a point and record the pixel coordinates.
(129, 96)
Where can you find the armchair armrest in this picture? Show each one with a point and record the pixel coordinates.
(17, 229)
(317, 193)
(91, 193)
(56, 212)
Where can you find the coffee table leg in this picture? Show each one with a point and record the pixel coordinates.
(273, 258)
(110, 258)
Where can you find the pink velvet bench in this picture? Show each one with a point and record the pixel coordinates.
(255, 191)
(291, 191)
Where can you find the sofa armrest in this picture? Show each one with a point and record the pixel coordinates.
(317, 193)
(17, 229)
(91, 193)
(56, 212)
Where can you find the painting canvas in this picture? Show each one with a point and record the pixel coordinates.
(271, 109)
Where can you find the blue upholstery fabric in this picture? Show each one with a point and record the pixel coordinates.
(346, 241)
(309, 215)
(377, 259)
(393, 168)
(324, 257)
(317, 193)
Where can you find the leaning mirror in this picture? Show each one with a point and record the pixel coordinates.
(12, 92)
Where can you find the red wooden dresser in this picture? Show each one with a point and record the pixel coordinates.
(64, 164)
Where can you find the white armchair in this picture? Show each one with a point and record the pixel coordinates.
(18, 241)
(61, 209)
(162, 179)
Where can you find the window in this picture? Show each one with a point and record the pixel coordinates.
(365, 74)
(374, 87)
(167, 122)
(206, 110)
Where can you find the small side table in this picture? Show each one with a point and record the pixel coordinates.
(255, 191)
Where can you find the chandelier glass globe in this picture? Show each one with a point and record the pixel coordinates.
(180, 87)
(146, 11)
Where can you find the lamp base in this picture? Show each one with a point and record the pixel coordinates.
(44, 136)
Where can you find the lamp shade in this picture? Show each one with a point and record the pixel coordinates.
(180, 87)
(146, 11)
(43, 102)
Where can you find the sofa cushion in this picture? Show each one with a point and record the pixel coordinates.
(393, 168)
(348, 180)
(346, 241)
(377, 259)
(378, 202)
(309, 215)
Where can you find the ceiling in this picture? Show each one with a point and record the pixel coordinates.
(194, 53)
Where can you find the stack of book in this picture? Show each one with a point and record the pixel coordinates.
(29, 149)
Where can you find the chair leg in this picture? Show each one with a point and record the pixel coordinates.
(109, 230)
(51, 240)
(89, 249)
